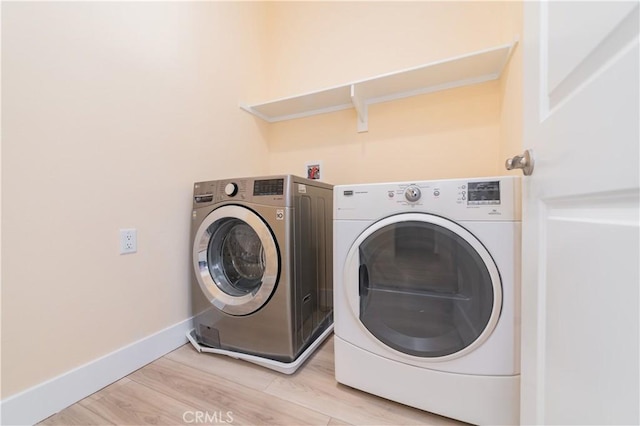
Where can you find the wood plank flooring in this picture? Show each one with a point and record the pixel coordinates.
(187, 387)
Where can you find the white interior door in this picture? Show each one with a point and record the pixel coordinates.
(580, 298)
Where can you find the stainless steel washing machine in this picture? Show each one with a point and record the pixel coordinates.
(262, 255)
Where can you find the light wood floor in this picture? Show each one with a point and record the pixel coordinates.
(184, 384)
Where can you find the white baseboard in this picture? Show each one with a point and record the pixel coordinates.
(43, 400)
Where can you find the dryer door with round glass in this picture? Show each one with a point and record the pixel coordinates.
(426, 287)
(236, 260)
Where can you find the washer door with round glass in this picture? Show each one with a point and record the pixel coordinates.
(236, 260)
(423, 286)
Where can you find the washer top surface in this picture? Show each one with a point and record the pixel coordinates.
(485, 198)
(275, 190)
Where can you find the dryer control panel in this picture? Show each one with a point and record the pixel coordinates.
(412, 193)
(492, 198)
(482, 193)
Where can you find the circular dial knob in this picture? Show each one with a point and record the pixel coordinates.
(231, 189)
(412, 193)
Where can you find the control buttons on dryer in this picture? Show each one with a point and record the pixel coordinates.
(412, 193)
(231, 189)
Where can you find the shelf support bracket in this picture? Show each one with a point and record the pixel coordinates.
(362, 110)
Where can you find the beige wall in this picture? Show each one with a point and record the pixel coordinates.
(454, 133)
(511, 91)
(439, 135)
(313, 45)
(110, 112)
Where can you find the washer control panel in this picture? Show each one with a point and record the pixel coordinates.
(231, 189)
(270, 191)
(216, 191)
(268, 187)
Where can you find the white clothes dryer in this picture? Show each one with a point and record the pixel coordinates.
(426, 294)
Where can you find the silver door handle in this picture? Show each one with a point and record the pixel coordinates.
(524, 162)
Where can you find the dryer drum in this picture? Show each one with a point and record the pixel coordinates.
(427, 291)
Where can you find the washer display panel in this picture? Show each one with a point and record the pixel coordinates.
(426, 286)
(236, 260)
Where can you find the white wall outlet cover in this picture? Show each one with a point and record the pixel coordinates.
(128, 240)
(314, 170)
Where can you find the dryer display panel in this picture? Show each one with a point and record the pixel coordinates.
(424, 290)
(482, 193)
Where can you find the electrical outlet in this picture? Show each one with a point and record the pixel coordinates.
(128, 240)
